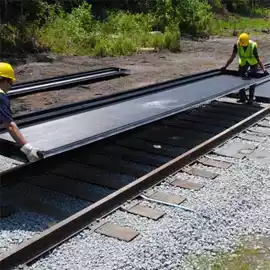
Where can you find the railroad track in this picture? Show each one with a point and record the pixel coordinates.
(70, 191)
(62, 82)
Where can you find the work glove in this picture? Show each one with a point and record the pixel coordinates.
(266, 73)
(33, 154)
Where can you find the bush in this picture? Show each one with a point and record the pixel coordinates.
(192, 16)
(196, 16)
(121, 34)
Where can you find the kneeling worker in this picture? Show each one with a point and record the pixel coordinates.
(247, 51)
(7, 78)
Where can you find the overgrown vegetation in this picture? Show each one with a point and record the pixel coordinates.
(121, 33)
(113, 28)
(234, 24)
(245, 257)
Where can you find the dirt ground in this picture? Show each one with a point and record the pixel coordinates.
(146, 68)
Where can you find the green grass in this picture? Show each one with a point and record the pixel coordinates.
(122, 33)
(245, 257)
(222, 27)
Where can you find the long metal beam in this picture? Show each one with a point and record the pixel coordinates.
(26, 119)
(26, 88)
(102, 121)
(47, 114)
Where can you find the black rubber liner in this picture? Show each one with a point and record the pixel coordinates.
(118, 115)
(26, 119)
(65, 81)
(263, 91)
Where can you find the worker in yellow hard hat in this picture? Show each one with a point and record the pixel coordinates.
(249, 58)
(7, 78)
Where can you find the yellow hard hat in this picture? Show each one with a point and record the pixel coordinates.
(244, 39)
(6, 71)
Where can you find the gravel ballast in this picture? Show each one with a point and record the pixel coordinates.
(8, 163)
(235, 204)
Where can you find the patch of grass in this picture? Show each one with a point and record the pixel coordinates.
(226, 27)
(78, 33)
(260, 12)
(244, 258)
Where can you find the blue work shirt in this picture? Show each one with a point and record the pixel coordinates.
(5, 111)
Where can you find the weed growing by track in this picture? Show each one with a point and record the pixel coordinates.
(245, 257)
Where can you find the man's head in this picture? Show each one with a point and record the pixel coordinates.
(7, 76)
(243, 40)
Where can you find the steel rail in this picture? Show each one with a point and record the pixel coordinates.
(26, 88)
(61, 232)
(151, 119)
(27, 119)
(94, 75)
(42, 115)
(130, 126)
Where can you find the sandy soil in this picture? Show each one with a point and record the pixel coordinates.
(146, 68)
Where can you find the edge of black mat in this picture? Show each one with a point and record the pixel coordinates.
(148, 120)
(32, 118)
(115, 97)
(51, 156)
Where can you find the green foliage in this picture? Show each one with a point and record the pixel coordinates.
(192, 16)
(196, 15)
(257, 8)
(68, 27)
(259, 11)
(244, 258)
(226, 27)
(121, 34)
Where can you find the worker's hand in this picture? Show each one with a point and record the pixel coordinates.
(33, 154)
(266, 73)
(223, 69)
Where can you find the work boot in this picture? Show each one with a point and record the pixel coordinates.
(242, 96)
(250, 102)
(251, 94)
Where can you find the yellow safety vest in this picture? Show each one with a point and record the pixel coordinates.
(1, 91)
(247, 56)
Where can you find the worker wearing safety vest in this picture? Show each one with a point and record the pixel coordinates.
(249, 58)
(7, 78)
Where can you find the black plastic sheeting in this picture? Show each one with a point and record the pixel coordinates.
(263, 90)
(70, 132)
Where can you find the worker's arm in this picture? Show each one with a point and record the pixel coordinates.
(230, 60)
(262, 66)
(256, 54)
(32, 153)
(234, 54)
(7, 120)
(15, 133)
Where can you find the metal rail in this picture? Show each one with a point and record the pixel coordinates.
(62, 231)
(142, 120)
(32, 118)
(92, 76)
(44, 115)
